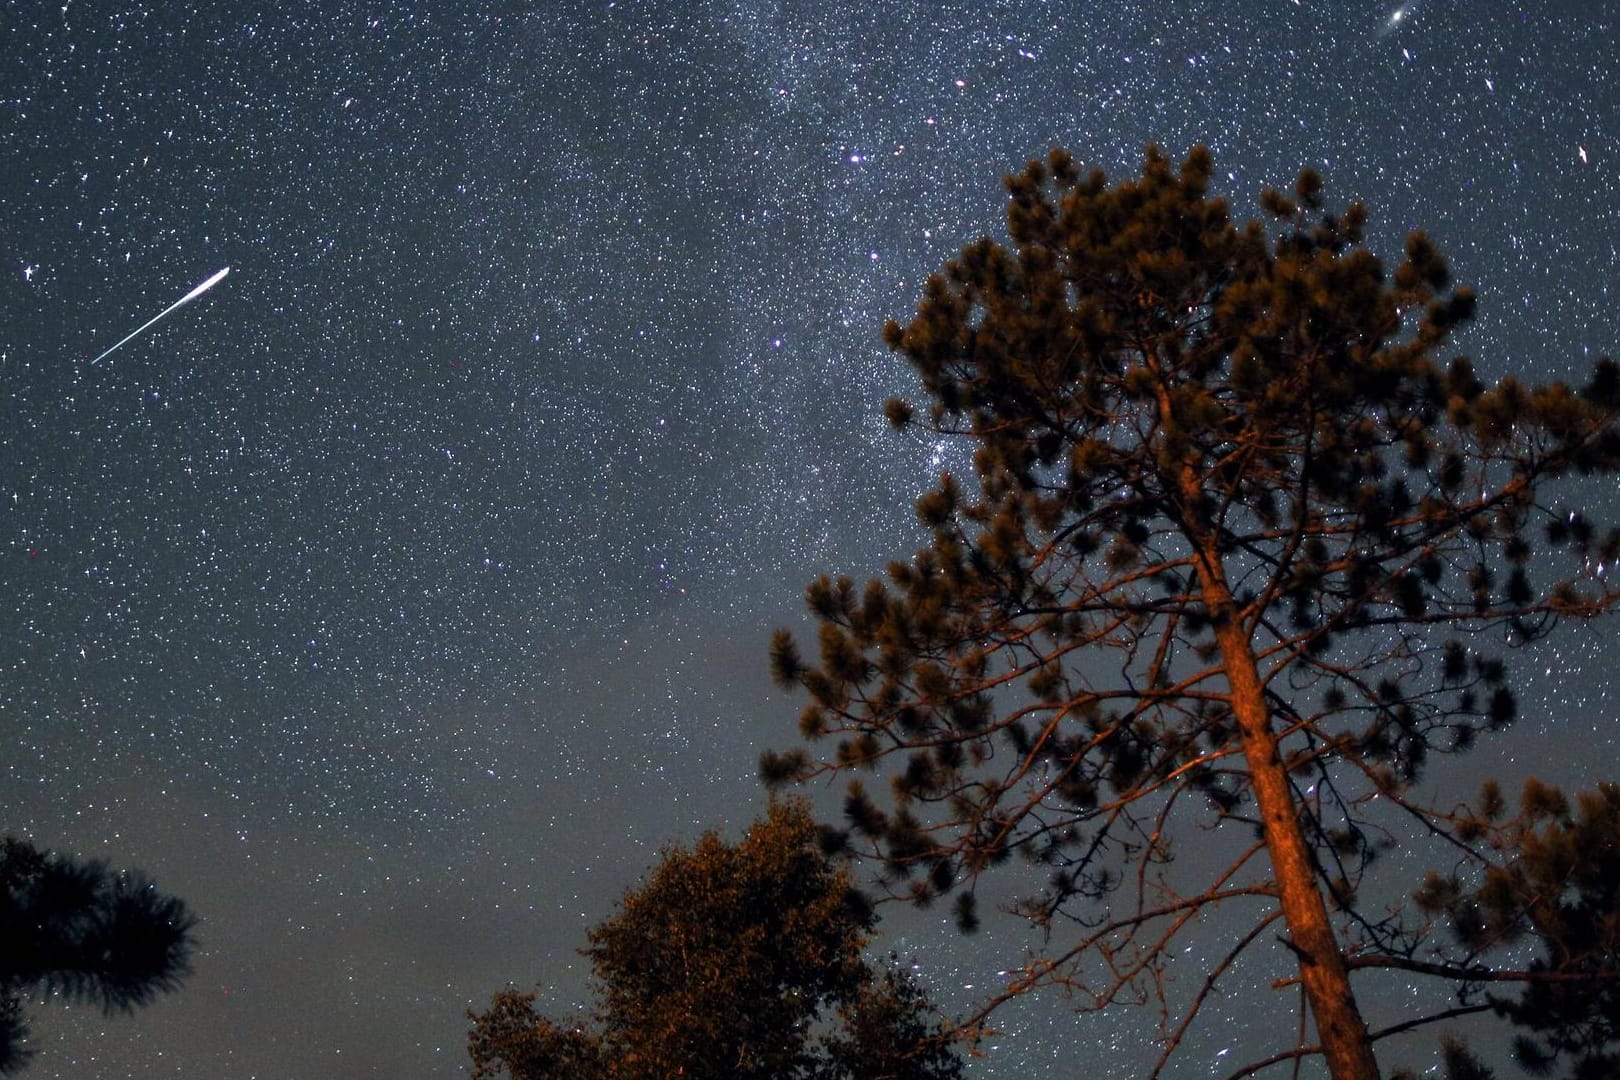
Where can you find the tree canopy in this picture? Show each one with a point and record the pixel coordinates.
(78, 930)
(1242, 551)
(731, 961)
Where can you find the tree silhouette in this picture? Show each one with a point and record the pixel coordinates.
(80, 931)
(1554, 883)
(1236, 550)
(731, 962)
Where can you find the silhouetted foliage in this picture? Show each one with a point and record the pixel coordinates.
(80, 931)
(1237, 549)
(890, 1031)
(1458, 1062)
(731, 962)
(1554, 883)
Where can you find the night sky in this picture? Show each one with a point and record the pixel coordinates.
(395, 600)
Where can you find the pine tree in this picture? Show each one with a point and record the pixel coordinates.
(1235, 555)
(731, 962)
(1552, 881)
(78, 930)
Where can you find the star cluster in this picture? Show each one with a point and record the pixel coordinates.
(394, 601)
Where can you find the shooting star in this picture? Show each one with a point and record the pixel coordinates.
(184, 300)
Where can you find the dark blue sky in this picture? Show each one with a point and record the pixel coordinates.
(394, 601)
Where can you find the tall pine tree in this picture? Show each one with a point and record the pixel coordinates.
(1238, 547)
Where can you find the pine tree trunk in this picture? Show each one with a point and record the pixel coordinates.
(1346, 1045)
(1342, 1033)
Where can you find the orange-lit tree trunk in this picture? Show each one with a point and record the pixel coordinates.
(1346, 1045)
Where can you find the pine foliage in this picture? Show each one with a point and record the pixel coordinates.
(1554, 884)
(83, 932)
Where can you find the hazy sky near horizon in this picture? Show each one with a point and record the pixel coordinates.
(395, 599)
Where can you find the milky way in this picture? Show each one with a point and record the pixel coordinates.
(396, 609)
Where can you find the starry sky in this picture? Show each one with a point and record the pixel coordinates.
(395, 600)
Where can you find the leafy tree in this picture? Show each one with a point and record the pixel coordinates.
(84, 932)
(731, 961)
(513, 1037)
(1236, 550)
(890, 1031)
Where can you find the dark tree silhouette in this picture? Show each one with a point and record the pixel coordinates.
(78, 930)
(1236, 551)
(1458, 1062)
(1554, 883)
(731, 962)
(890, 1031)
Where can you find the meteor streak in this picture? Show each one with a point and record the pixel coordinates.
(184, 300)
